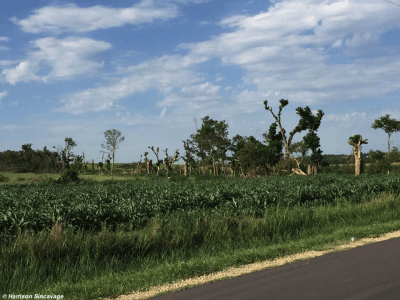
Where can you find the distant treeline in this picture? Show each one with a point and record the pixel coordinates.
(28, 160)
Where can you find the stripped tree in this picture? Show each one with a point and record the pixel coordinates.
(169, 160)
(188, 159)
(286, 141)
(356, 141)
(65, 153)
(159, 161)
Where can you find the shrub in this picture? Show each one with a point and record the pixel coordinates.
(381, 166)
(69, 175)
(4, 178)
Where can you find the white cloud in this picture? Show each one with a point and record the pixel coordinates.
(287, 49)
(71, 18)
(163, 74)
(66, 57)
(24, 71)
(4, 39)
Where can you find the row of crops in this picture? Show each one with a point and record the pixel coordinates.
(122, 204)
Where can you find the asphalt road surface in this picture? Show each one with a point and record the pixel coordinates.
(370, 272)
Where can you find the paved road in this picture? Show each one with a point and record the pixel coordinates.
(369, 272)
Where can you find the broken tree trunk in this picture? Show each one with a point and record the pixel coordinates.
(359, 165)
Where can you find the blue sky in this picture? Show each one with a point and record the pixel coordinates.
(149, 68)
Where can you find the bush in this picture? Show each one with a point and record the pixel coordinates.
(381, 166)
(4, 178)
(69, 175)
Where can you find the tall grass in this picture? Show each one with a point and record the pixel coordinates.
(56, 260)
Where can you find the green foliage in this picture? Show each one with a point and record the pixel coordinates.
(69, 175)
(207, 177)
(375, 156)
(250, 154)
(211, 142)
(21, 178)
(4, 178)
(178, 178)
(92, 205)
(108, 164)
(355, 139)
(388, 125)
(274, 144)
(381, 166)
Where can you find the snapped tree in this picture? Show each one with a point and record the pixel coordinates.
(159, 161)
(356, 141)
(113, 138)
(169, 160)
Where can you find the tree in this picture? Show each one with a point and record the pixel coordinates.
(311, 123)
(211, 141)
(188, 159)
(388, 125)
(159, 161)
(286, 141)
(65, 153)
(113, 138)
(356, 141)
(274, 144)
(169, 160)
(250, 155)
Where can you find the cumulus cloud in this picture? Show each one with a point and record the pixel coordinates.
(288, 48)
(24, 71)
(71, 18)
(66, 57)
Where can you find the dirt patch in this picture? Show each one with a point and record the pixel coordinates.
(237, 271)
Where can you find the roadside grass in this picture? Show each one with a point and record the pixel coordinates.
(22, 178)
(90, 265)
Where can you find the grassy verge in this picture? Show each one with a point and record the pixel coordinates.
(88, 266)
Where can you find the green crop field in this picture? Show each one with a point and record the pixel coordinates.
(76, 238)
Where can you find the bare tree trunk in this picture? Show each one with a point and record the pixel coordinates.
(93, 166)
(185, 169)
